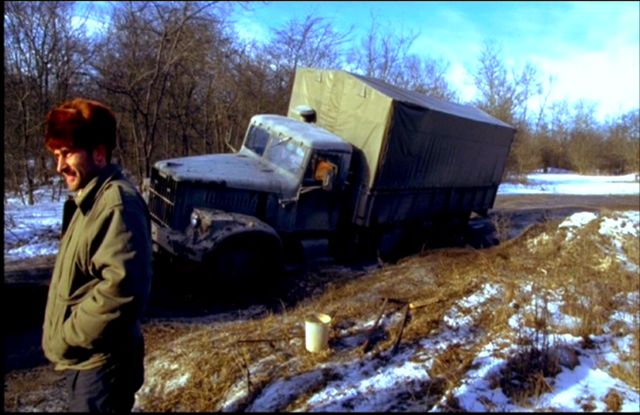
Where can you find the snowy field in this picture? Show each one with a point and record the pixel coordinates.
(382, 385)
(574, 184)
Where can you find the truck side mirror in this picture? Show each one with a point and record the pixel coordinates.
(327, 181)
(325, 172)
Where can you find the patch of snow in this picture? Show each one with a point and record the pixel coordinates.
(573, 184)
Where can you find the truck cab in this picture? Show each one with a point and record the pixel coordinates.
(314, 165)
(284, 183)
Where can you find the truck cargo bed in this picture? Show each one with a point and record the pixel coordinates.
(421, 156)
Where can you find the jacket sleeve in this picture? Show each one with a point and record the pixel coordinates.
(120, 261)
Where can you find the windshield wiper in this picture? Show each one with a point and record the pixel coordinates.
(284, 140)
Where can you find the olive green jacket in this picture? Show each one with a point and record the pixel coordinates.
(102, 275)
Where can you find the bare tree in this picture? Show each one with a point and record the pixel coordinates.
(386, 55)
(502, 94)
(147, 47)
(382, 55)
(621, 148)
(45, 61)
(505, 95)
(308, 42)
(586, 139)
(427, 76)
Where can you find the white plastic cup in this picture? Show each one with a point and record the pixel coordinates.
(316, 329)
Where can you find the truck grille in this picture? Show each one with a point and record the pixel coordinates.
(171, 202)
(162, 198)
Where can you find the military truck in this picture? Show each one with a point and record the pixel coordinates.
(356, 161)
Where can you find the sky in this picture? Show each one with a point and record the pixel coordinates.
(590, 49)
(382, 383)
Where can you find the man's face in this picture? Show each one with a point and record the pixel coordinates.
(77, 167)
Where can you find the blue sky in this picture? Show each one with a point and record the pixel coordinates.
(590, 48)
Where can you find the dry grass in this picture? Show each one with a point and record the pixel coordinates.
(614, 401)
(502, 224)
(20, 393)
(243, 357)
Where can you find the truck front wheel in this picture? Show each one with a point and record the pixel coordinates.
(244, 268)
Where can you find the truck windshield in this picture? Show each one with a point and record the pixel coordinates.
(288, 154)
(257, 139)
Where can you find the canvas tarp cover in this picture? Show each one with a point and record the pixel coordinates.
(410, 141)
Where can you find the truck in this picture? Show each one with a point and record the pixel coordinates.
(367, 166)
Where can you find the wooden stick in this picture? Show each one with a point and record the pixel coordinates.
(399, 335)
(365, 345)
(396, 301)
(422, 303)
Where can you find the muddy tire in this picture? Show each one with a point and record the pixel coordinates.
(293, 251)
(399, 242)
(244, 268)
(352, 244)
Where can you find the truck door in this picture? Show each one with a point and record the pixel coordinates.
(318, 206)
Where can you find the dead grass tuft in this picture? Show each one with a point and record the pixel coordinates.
(452, 364)
(451, 404)
(524, 375)
(628, 367)
(589, 405)
(613, 400)
(502, 225)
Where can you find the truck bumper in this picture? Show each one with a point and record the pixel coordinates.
(197, 243)
(173, 242)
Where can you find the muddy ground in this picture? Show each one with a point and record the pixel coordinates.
(26, 282)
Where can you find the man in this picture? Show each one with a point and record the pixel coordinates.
(102, 275)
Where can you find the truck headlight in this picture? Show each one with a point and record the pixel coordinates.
(195, 219)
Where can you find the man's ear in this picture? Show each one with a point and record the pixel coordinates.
(99, 155)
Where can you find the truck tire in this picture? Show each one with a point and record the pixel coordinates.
(447, 230)
(293, 250)
(353, 244)
(396, 243)
(244, 268)
(342, 247)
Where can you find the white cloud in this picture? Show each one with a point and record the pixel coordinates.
(462, 81)
(608, 78)
(249, 29)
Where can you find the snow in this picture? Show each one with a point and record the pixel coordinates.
(574, 184)
(32, 230)
(388, 383)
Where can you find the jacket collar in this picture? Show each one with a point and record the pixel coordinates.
(85, 197)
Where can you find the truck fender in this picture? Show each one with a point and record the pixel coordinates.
(211, 228)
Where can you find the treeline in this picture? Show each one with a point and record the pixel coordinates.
(183, 83)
